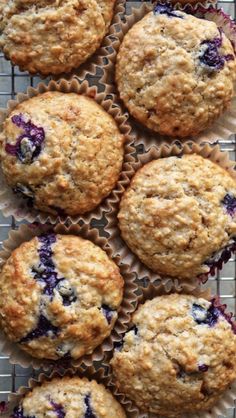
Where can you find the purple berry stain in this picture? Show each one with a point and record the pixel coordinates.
(211, 315)
(29, 144)
(203, 368)
(108, 313)
(229, 202)
(60, 413)
(19, 413)
(218, 259)
(166, 9)
(205, 316)
(88, 412)
(57, 408)
(44, 328)
(3, 407)
(45, 273)
(210, 56)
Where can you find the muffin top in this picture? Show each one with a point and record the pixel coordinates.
(59, 296)
(69, 397)
(175, 72)
(53, 36)
(179, 356)
(178, 214)
(62, 151)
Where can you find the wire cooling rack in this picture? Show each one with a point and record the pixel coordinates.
(12, 81)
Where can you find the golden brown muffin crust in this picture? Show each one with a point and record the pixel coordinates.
(174, 215)
(78, 289)
(55, 36)
(170, 364)
(71, 396)
(162, 79)
(80, 158)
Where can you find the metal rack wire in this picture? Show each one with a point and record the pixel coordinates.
(13, 81)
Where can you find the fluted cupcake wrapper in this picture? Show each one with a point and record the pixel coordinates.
(92, 66)
(12, 205)
(100, 373)
(119, 247)
(129, 302)
(225, 125)
(226, 401)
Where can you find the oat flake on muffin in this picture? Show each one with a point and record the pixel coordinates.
(59, 296)
(175, 72)
(62, 152)
(179, 357)
(179, 214)
(67, 397)
(55, 36)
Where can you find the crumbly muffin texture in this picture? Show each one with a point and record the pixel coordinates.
(179, 214)
(179, 357)
(175, 72)
(69, 397)
(53, 36)
(62, 152)
(59, 296)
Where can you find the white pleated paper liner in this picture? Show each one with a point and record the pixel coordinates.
(225, 125)
(98, 372)
(18, 356)
(227, 400)
(13, 205)
(117, 244)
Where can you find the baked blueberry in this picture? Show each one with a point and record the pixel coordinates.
(185, 351)
(229, 202)
(29, 144)
(63, 292)
(210, 55)
(167, 9)
(69, 397)
(65, 148)
(89, 412)
(44, 328)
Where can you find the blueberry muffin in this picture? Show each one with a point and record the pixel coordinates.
(52, 37)
(179, 215)
(59, 296)
(179, 357)
(69, 397)
(175, 72)
(62, 152)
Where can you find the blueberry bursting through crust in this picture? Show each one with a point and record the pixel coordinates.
(46, 275)
(29, 144)
(166, 9)
(211, 315)
(58, 409)
(219, 258)
(210, 56)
